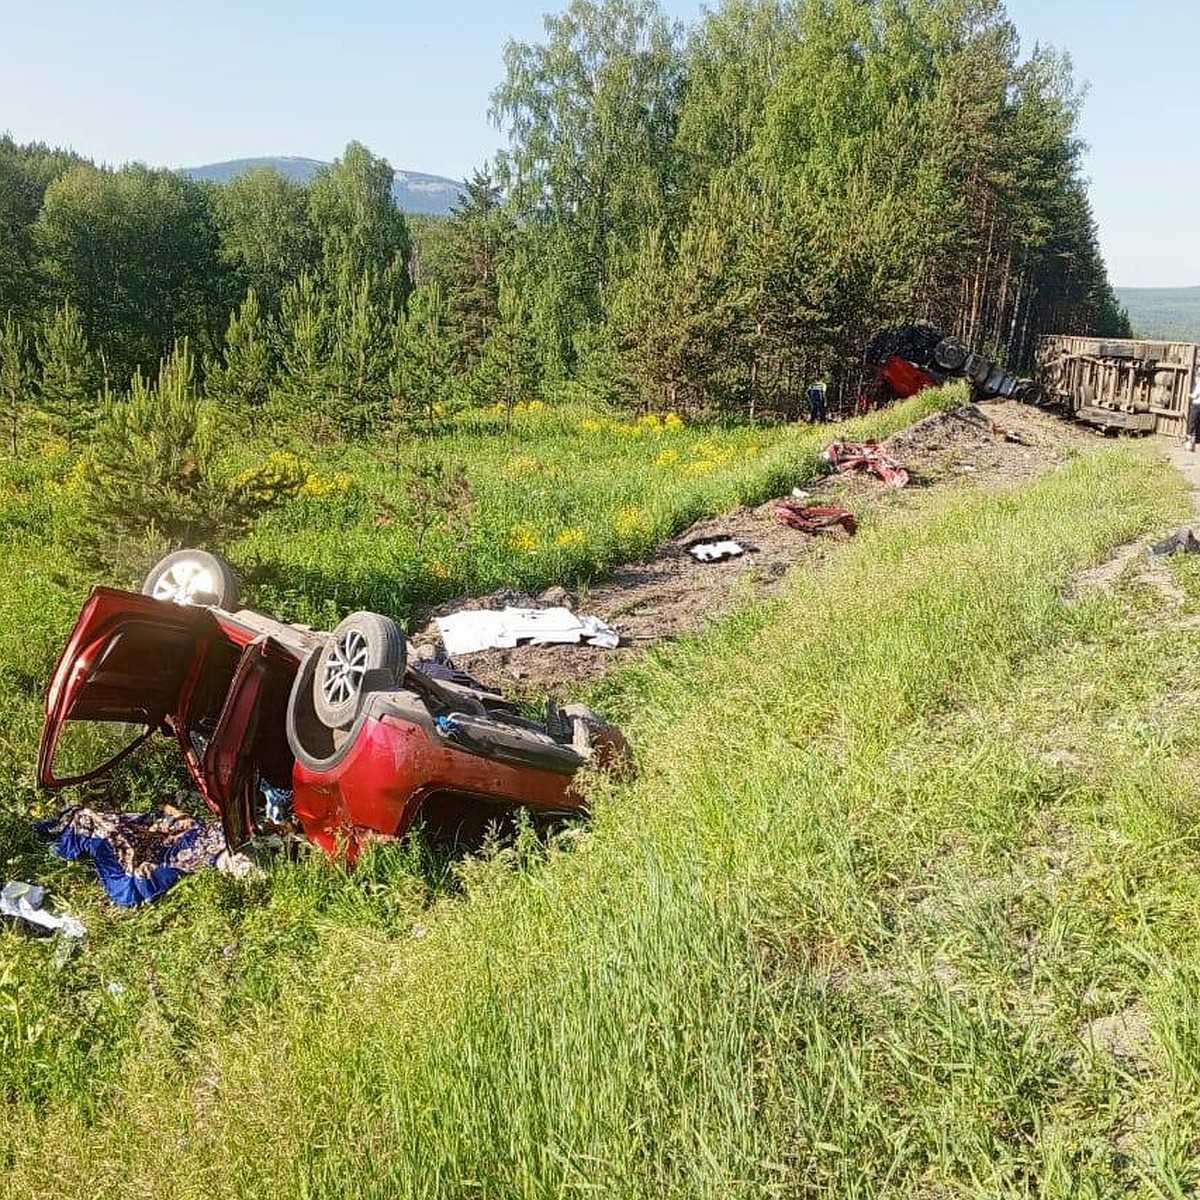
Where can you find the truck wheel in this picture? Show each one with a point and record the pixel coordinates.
(950, 355)
(365, 653)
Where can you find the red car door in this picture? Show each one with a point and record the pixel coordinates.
(249, 740)
(129, 661)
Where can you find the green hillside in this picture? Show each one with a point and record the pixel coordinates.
(900, 905)
(1169, 313)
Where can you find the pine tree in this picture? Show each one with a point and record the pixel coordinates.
(16, 379)
(507, 371)
(466, 255)
(423, 358)
(151, 476)
(241, 379)
(69, 375)
(148, 471)
(362, 357)
(303, 337)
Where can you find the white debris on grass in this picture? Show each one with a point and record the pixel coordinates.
(716, 551)
(29, 903)
(486, 629)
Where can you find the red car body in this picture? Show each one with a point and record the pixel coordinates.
(906, 378)
(235, 690)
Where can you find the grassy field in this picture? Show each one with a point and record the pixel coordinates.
(902, 904)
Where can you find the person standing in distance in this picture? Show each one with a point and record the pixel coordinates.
(1193, 416)
(816, 402)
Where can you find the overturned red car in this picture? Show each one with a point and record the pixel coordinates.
(287, 729)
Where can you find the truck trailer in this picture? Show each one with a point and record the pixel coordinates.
(1128, 384)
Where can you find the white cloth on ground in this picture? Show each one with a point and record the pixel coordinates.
(484, 629)
(28, 902)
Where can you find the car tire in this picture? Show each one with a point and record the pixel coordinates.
(193, 577)
(365, 653)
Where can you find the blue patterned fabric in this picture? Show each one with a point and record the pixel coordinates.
(138, 856)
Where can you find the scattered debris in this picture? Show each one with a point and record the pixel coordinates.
(138, 856)
(1007, 435)
(238, 866)
(715, 549)
(30, 906)
(813, 518)
(1183, 541)
(865, 456)
(484, 629)
(668, 593)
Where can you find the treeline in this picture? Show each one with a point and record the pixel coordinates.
(696, 218)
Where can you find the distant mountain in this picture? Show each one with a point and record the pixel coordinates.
(1168, 314)
(413, 191)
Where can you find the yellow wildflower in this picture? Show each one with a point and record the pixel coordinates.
(667, 458)
(524, 464)
(325, 485)
(631, 521)
(524, 539)
(76, 477)
(571, 536)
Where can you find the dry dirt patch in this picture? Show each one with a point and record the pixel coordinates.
(669, 593)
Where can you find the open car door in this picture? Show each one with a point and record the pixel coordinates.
(124, 671)
(248, 741)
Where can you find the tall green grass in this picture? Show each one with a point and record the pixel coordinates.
(901, 904)
(558, 497)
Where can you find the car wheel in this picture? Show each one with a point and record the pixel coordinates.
(193, 577)
(364, 653)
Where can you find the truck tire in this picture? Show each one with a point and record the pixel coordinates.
(950, 355)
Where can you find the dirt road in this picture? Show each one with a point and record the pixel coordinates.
(670, 593)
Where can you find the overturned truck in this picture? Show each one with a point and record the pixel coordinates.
(1119, 383)
(904, 359)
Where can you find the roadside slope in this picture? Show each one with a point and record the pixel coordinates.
(851, 931)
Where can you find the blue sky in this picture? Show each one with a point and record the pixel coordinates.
(184, 83)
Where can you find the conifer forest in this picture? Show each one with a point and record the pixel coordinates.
(683, 219)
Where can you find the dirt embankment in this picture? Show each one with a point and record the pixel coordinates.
(671, 593)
